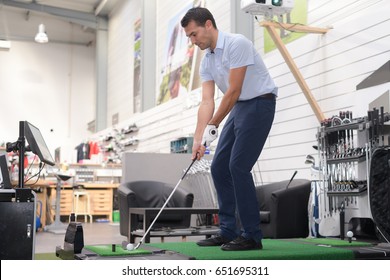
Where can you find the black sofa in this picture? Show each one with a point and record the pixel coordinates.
(283, 211)
(152, 194)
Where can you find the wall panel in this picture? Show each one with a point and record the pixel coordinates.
(332, 64)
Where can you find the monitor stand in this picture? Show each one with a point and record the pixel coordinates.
(58, 227)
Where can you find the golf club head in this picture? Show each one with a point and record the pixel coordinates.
(310, 160)
(138, 245)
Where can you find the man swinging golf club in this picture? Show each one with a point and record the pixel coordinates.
(232, 63)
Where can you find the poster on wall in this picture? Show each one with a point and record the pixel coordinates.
(137, 67)
(177, 68)
(297, 16)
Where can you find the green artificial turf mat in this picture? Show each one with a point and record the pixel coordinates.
(46, 256)
(272, 250)
(334, 242)
(106, 250)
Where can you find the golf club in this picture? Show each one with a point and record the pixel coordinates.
(292, 178)
(165, 204)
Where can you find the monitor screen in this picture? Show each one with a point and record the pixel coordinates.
(37, 143)
(5, 182)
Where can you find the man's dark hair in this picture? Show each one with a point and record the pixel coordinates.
(199, 15)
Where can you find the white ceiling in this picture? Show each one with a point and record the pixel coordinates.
(88, 6)
(66, 21)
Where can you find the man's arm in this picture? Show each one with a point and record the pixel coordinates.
(236, 79)
(205, 113)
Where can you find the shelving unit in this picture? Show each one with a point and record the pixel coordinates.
(101, 183)
(91, 172)
(118, 141)
(345, 149)
(101, 198)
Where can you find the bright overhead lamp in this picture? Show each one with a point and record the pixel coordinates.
(41, 36)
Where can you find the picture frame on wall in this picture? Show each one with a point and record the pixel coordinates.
(180, 61)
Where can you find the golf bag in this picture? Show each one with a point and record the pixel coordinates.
(379, 191)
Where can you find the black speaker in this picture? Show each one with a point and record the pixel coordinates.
(74, 236)
(17, 229)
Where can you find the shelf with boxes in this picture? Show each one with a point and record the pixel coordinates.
(90, 172)
(81, 172)
(97, 182)
(182, 145)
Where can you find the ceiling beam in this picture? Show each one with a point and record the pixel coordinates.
(82, 18)
(100, 7)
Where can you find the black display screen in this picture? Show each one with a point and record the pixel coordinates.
(37, 143)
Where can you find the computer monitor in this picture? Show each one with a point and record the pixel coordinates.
(5, 181)
(37, 143)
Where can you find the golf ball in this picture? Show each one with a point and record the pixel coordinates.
(349, 233)
(130, 247)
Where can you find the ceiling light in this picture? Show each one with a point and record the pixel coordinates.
(41, 36)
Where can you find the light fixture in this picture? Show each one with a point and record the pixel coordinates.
(41, 36)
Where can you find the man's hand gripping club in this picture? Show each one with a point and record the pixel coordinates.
(209, 135)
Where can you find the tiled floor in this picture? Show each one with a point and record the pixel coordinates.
(94, 234)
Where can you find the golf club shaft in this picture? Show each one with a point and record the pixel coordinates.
(165, 204)
(292, 178)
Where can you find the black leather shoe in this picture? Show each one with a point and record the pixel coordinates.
(242, 244)
(216, 240)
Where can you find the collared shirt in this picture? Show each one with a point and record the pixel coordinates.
(234, 51)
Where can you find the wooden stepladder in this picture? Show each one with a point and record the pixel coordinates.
(271, 28)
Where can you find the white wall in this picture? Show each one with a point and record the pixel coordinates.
(121, 59)
(332, 64)
(50, 85)
(164, 123)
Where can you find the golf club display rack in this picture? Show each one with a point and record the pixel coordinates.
(345, 146)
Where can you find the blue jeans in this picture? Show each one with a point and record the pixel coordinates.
(240, 144)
